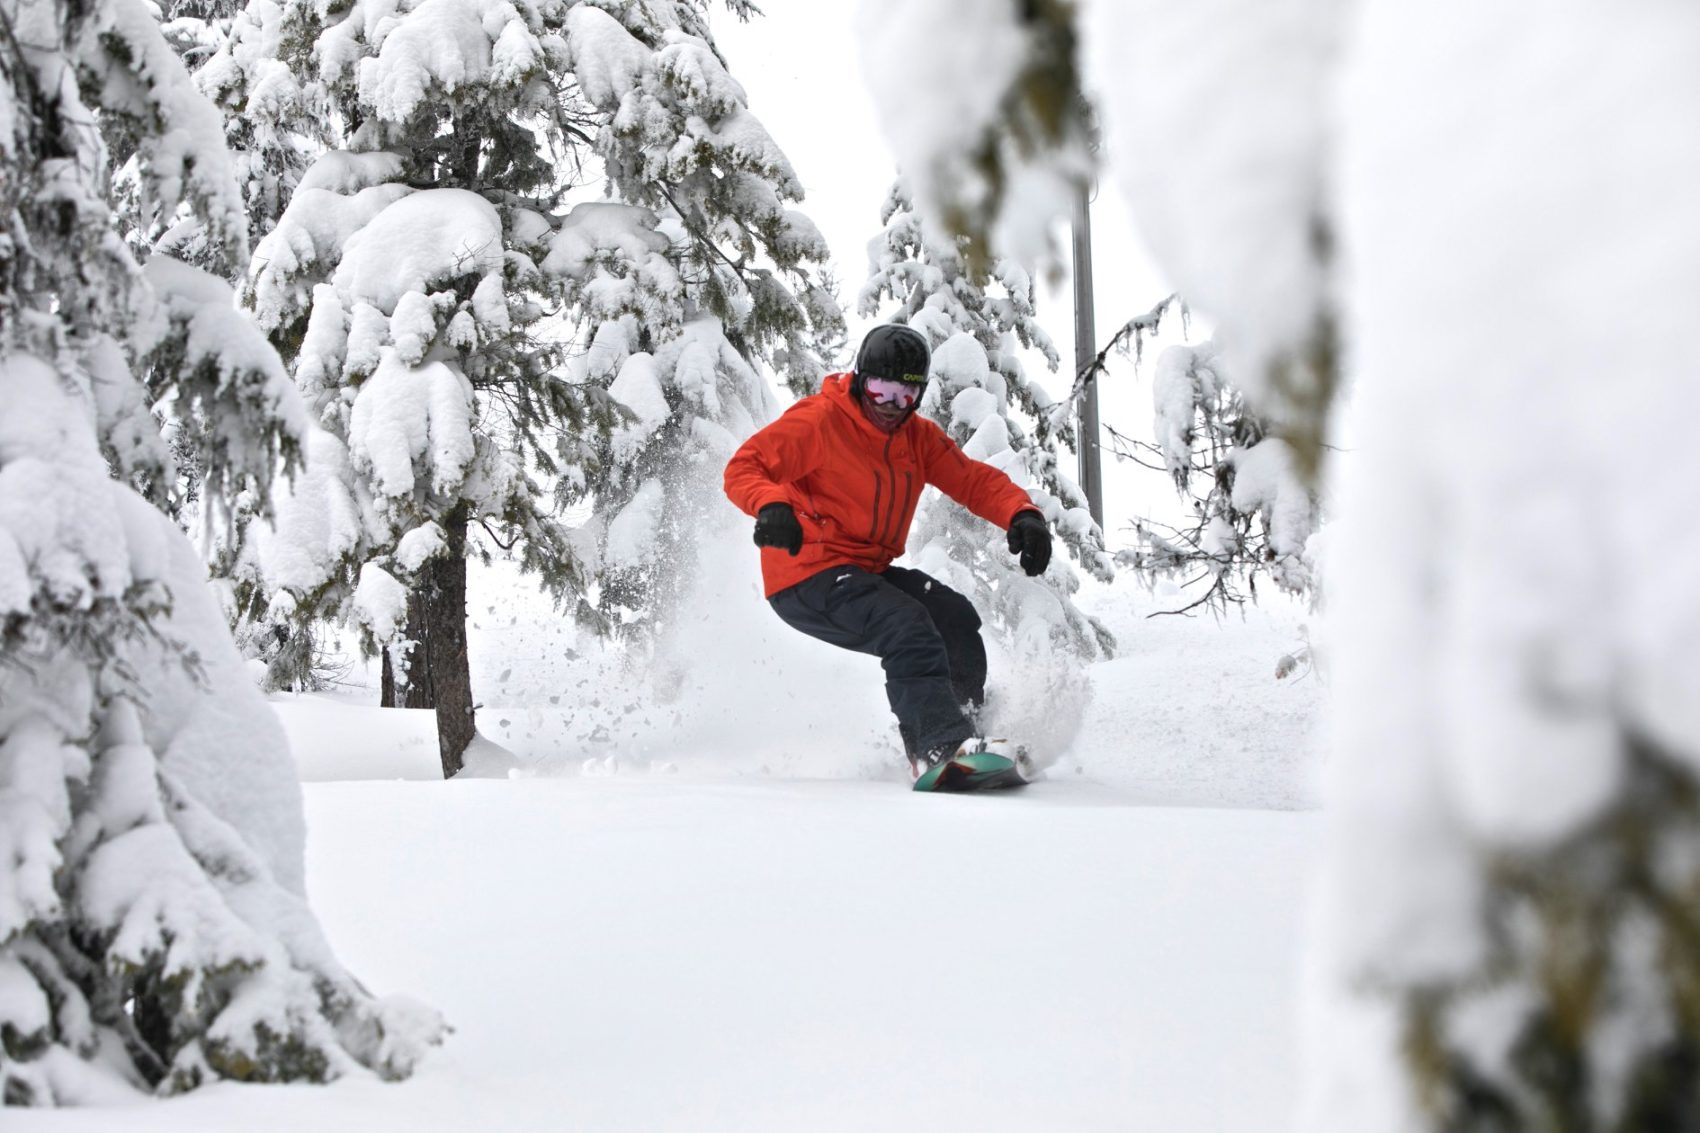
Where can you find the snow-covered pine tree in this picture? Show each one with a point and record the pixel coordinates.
(981, 395)
(154, 933)
(194, 29)
(179, 375)
(1512, 899)
(227, 405)
(1254, 513)
(678, 299)
(677, 137)
(407, 283)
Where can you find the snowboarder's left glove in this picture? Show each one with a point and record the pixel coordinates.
(1031, 539)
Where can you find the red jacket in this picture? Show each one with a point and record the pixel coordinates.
(854, 487)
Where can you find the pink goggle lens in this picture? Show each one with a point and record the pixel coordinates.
(885, 391)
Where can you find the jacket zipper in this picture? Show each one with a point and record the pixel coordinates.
(874, 521)
(903, 513)
(892, 506)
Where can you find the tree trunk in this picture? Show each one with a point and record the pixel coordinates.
(420, 689)
(442, 605)
(412, 688)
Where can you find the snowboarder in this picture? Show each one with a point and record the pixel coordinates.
(833, 484)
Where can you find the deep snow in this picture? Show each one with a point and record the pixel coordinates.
(652, 955)
(715, 940)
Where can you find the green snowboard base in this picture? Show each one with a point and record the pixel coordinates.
(974, 771)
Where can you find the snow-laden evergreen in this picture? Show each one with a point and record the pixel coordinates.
(1506, 940)
(690, 362)
(982, 397)
(1508, 931)
(408, 282)
(232, 413)
(273, 125)
(197, 262)
(1516, 863)
(154, 932)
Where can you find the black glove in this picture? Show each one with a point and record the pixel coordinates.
(1031, 539)
(777, 526)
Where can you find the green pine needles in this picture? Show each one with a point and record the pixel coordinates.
(1594, 964)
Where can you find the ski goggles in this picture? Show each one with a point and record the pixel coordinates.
(888, 391)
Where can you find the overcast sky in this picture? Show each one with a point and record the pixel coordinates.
(800, 65)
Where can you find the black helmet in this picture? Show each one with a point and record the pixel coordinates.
(895, 352)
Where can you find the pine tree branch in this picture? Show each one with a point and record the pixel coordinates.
(1135, 329)
(496, 539)
(702, 238)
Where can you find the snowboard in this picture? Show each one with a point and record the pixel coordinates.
(978, 771)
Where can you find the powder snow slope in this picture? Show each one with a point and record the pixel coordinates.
(805, 944)
(656, 954)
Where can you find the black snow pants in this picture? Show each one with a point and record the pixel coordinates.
(926, 635)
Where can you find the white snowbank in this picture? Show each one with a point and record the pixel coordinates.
(813, 914)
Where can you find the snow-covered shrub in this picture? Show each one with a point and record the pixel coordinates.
(154, 933)
(1253, 513)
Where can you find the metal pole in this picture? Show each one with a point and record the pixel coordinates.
(1085, 350)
